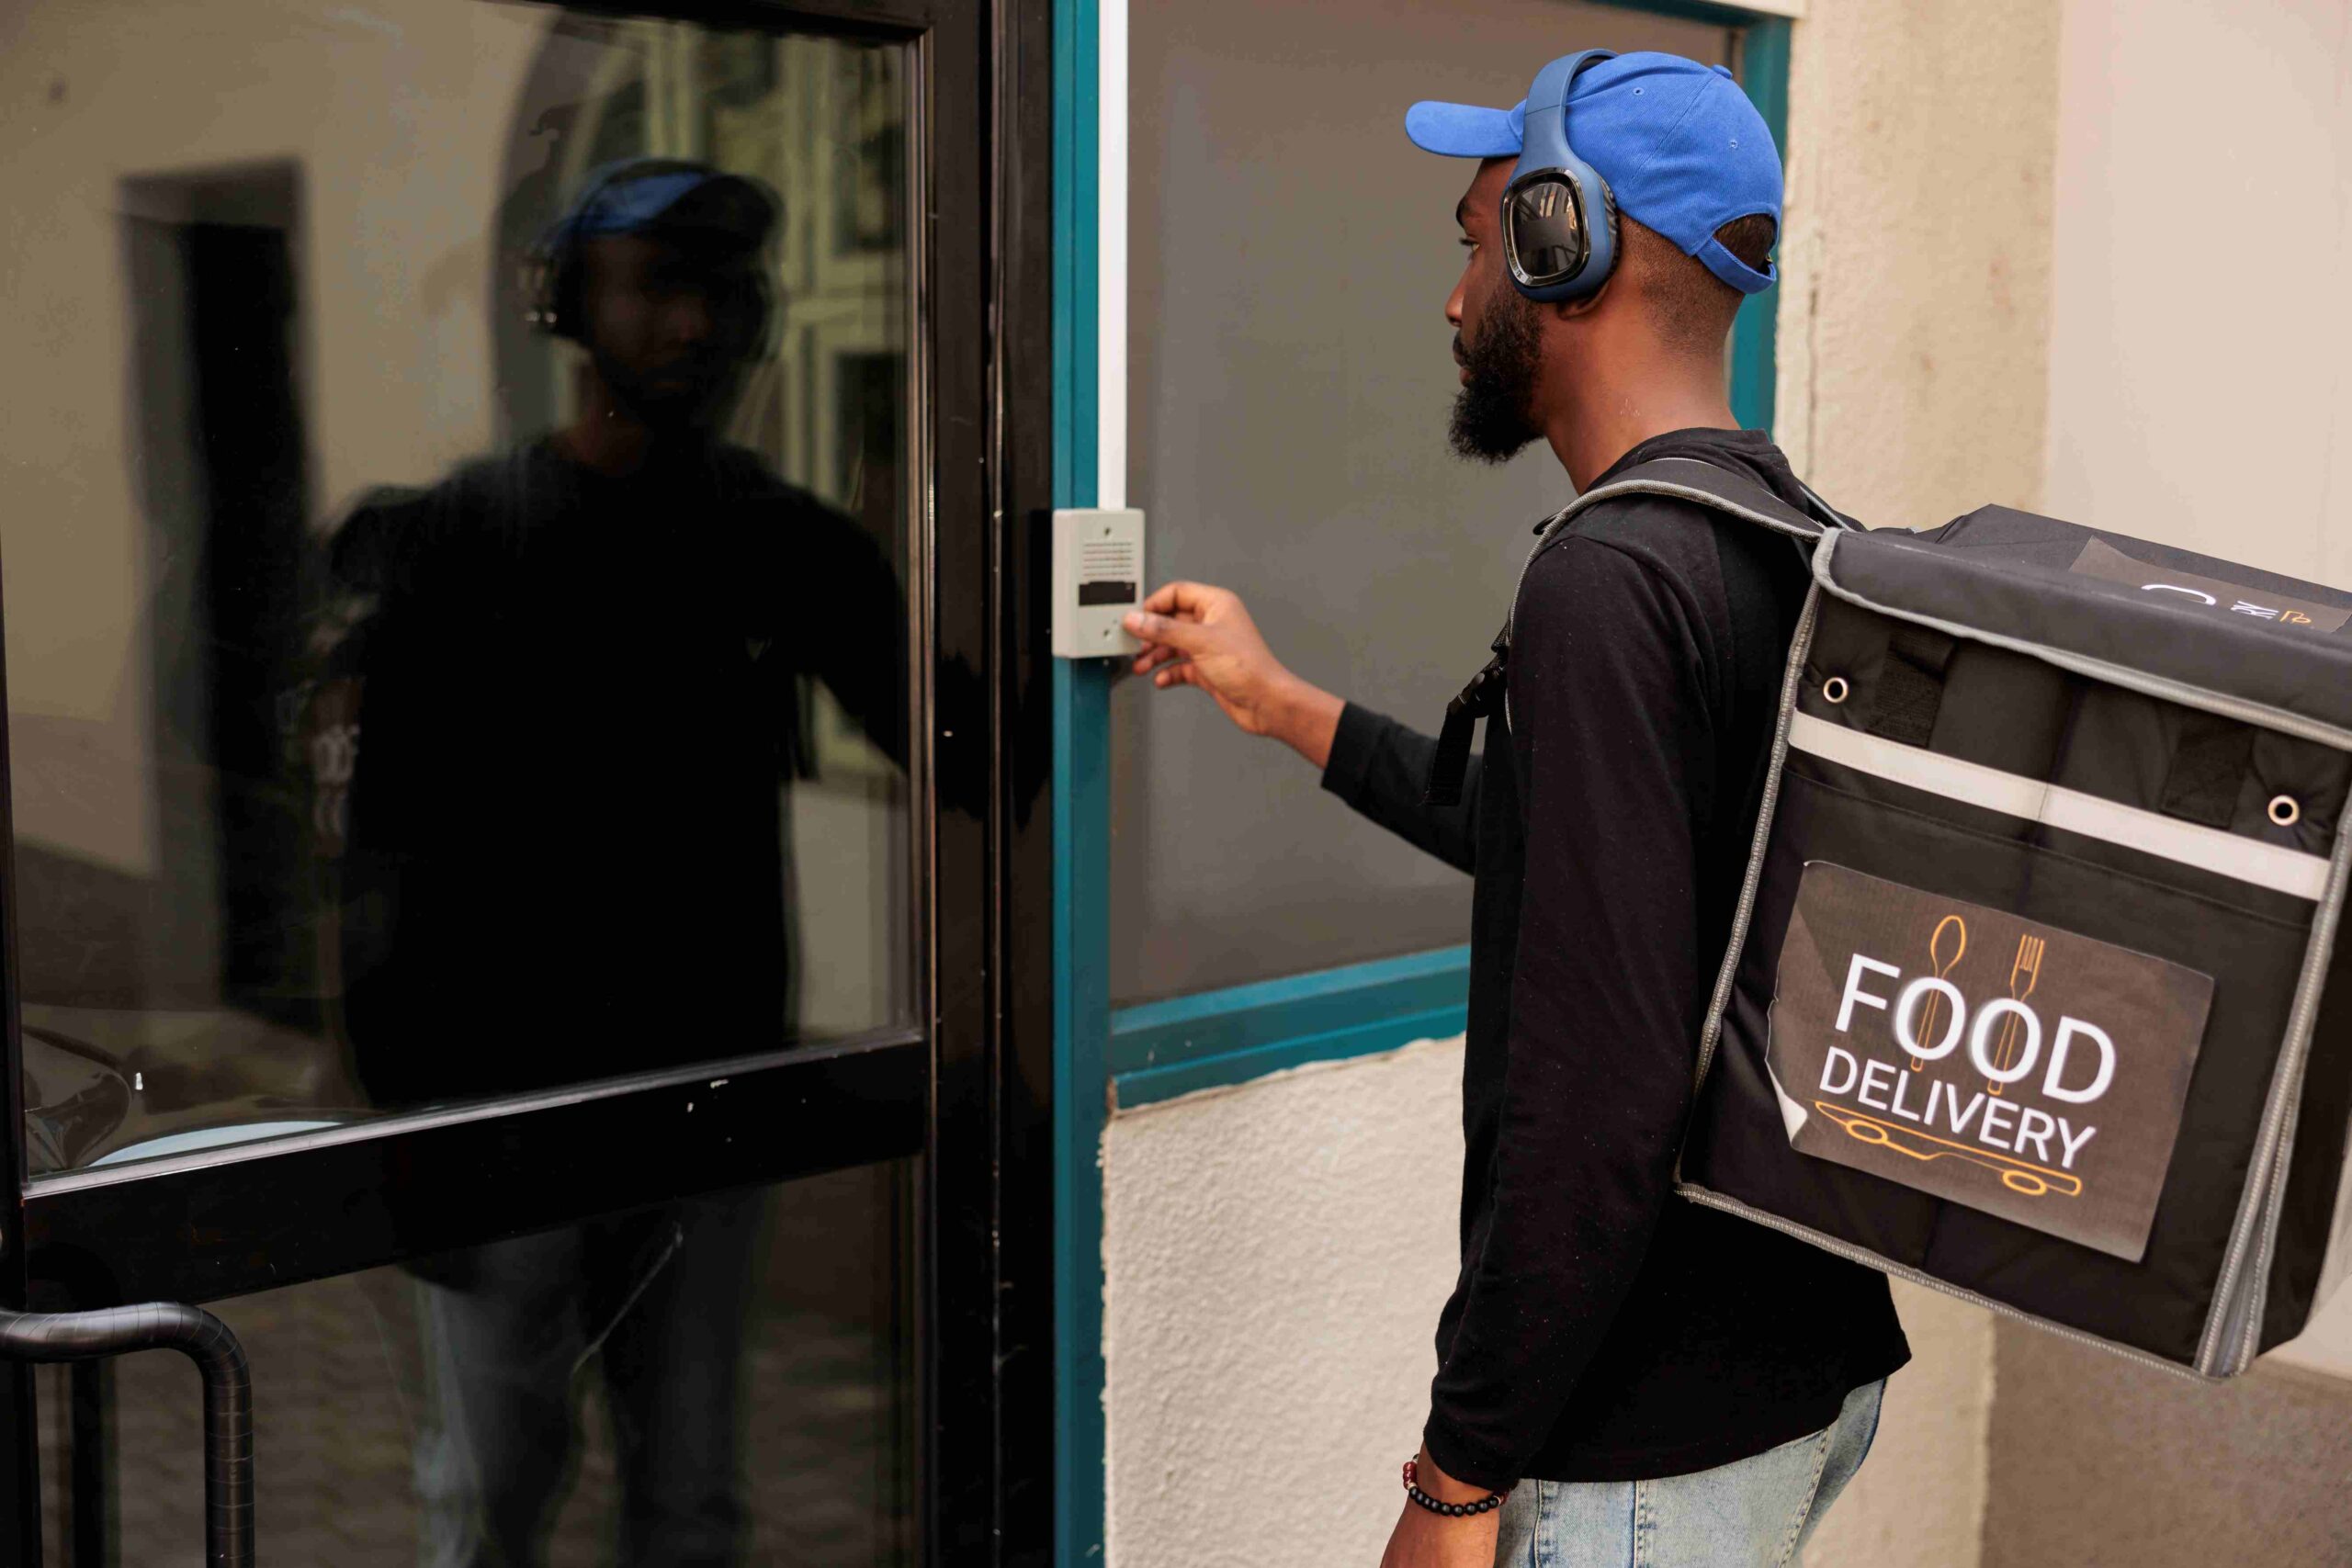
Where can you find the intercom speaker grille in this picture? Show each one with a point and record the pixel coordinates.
(1108, 557)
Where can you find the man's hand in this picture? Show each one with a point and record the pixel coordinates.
(1424, 1540)
(1197, 635)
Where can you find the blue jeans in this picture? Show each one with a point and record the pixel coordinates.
(1755, 1513)
(657, 1303)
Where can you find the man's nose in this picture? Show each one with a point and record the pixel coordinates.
(690, 317)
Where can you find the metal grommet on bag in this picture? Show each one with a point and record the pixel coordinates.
(1835, 690)
(2284, 810)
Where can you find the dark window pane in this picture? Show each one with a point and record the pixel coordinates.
(1290, 378)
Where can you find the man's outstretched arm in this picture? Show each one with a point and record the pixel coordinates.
(1194, 635)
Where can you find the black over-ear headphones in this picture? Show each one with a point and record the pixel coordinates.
(1560, 216)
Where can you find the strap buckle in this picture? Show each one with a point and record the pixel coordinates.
(1450, 764)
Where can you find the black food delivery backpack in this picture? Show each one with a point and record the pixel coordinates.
(2034, 996)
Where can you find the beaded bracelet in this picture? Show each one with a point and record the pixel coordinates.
(1488, 1504)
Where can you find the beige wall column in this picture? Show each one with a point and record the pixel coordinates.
(1914, 310)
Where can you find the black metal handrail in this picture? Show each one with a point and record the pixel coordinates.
(228, 1395)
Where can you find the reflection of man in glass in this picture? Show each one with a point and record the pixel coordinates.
(577, 670)
(573, 672)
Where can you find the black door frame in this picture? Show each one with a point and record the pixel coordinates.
(971, 1090)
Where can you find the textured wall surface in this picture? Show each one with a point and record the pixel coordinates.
(1916, 258)
(2099, 1463)
(1277, 1254)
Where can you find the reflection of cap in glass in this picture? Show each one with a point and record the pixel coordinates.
(1682, 149)
(636, 194)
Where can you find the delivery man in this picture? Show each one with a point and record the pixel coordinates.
(1622, 1378)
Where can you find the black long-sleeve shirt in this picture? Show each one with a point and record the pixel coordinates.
(579, 703)
(1600, 1328)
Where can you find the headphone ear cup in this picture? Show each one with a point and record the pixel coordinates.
(563, 294)
(1608, 219)
(554, 292)
(554, 284)
(1602, 232)
(539, 293)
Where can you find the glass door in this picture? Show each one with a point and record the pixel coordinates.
(511, 796)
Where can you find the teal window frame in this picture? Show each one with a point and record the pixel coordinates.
(1137, 1055)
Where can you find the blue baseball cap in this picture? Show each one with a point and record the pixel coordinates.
(634, 194)
(1682, 149)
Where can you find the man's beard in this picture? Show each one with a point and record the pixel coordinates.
(1490, 419)
(696, 405)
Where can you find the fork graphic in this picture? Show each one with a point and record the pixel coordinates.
(2022, 976)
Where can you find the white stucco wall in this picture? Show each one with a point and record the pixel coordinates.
(1276, 1255)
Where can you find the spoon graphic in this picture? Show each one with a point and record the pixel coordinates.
(1928, 1013)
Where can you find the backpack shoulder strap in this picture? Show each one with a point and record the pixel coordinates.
(1691, 479)
(1702, 483)
(1725, 489)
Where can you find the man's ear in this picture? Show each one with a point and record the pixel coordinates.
(1569, 309)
